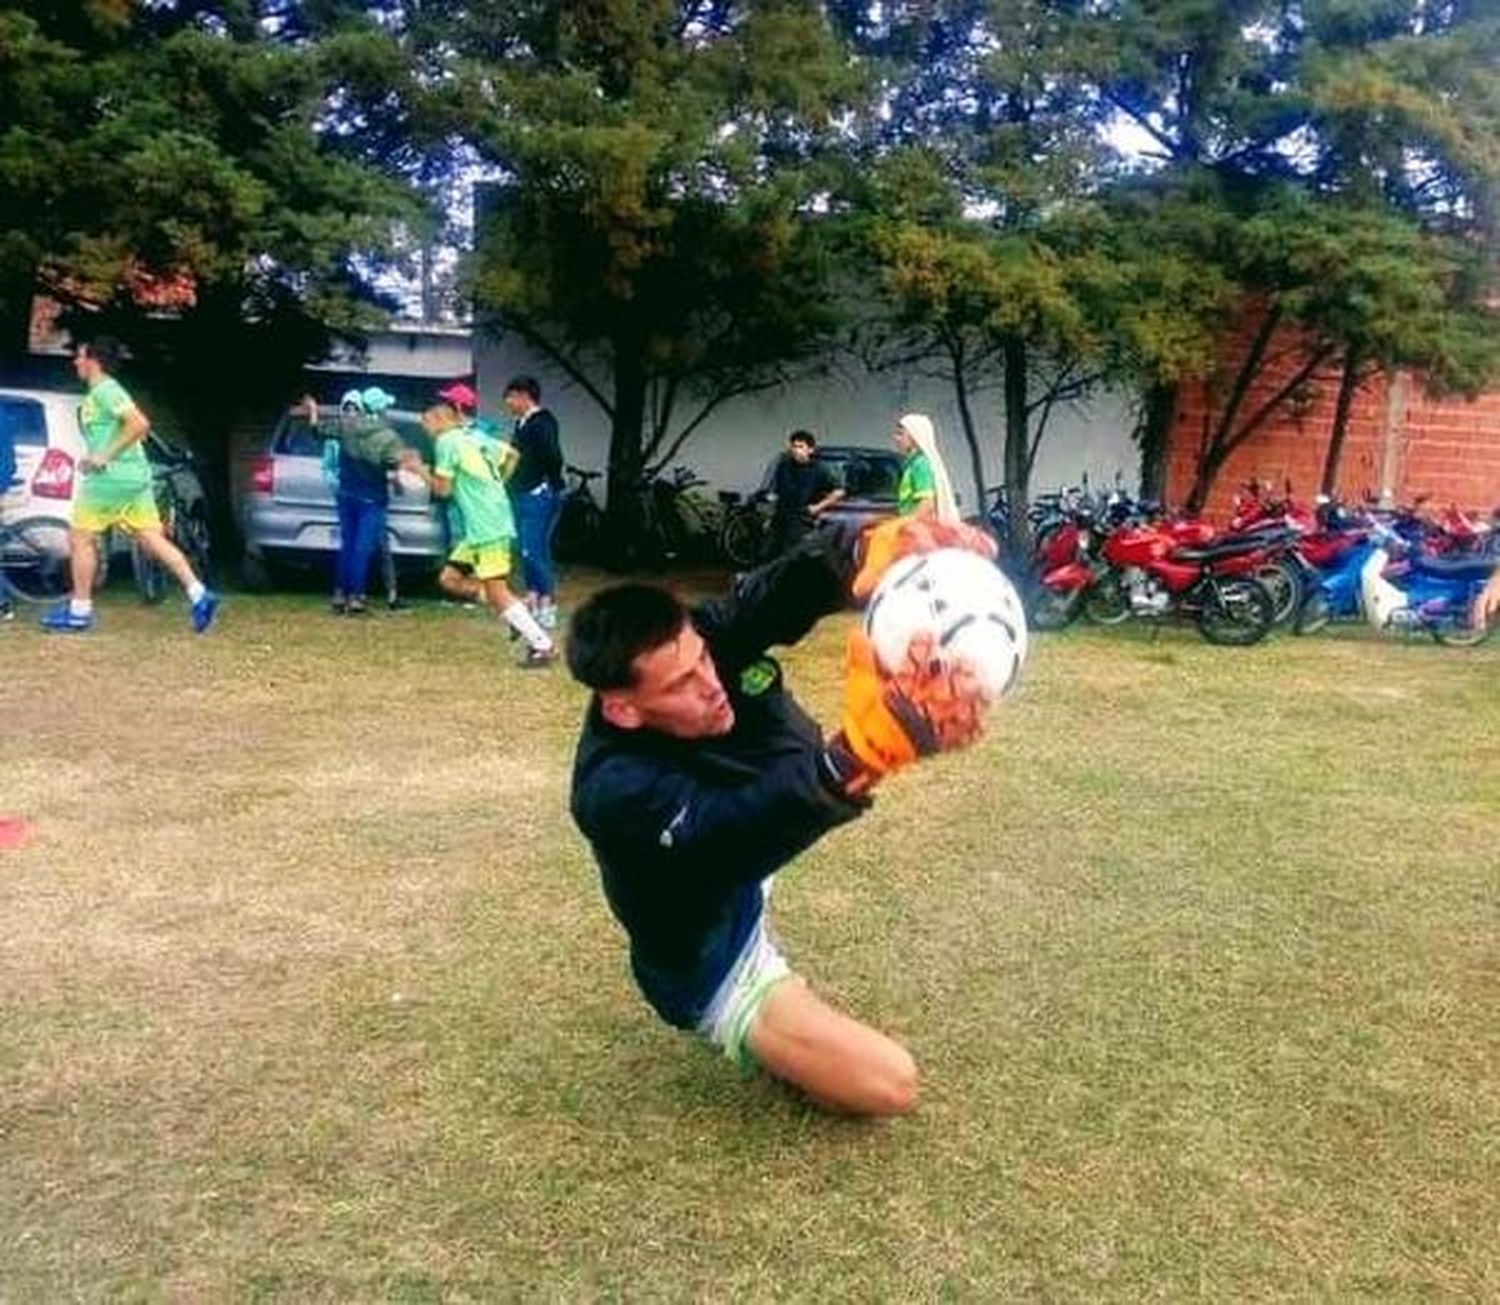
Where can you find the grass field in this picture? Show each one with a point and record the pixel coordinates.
(308, 992)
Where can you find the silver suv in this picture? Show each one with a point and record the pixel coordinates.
(286, 509)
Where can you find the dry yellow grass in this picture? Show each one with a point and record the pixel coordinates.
(307, 991)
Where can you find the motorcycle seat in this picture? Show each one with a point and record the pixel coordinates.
(1228, 547)
(1455, 568)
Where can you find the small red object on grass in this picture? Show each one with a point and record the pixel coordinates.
(14, 834)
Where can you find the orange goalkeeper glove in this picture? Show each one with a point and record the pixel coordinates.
(889, 721)
(898, 537)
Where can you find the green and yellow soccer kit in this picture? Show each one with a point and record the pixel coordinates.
(471, 463)
(121, 494)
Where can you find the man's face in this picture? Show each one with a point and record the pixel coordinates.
(676, 692)
(84, 366)
(800, 450)
(517, 402)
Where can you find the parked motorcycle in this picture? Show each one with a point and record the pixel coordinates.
(1159, 581)
(1393, 585)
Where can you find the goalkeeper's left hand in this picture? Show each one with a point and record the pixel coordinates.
(899, 537)
(890, 721)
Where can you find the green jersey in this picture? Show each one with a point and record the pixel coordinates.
(917, 483)
(100, 417)
(472, 464)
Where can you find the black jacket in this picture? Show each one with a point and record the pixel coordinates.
(685, 830)
(540, 460)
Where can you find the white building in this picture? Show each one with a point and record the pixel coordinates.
(850, 406)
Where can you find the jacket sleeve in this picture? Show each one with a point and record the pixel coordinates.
(668, 826)
(780, 602)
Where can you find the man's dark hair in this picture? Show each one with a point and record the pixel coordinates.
(616, 626)
(104, 350)
(803, 437)
(527, 385)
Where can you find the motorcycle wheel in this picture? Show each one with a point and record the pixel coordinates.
(1051, 610)
(1283, 582)
(1314, 614)
(1455, 630)
(1105, 602)
(1235, 613)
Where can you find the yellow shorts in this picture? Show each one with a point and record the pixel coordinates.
(486, 561)
(134, 514)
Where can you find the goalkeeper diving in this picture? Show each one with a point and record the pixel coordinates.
(698, 777)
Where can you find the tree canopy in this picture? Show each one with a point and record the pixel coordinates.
(691, 200)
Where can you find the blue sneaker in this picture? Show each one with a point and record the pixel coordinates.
(61, 620)
(203, 611)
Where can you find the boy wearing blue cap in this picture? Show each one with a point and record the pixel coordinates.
(369, 451)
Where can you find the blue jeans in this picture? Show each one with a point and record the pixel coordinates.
(536, 518)
(361, 528)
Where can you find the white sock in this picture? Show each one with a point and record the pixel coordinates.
(81, 606)
(196, 590)
(524, 623)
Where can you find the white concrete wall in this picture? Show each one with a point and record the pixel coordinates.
(442, 353)
(852, 406)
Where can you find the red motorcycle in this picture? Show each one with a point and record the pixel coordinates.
(1212, 584)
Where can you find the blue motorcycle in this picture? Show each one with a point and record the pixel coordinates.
(1412, 593)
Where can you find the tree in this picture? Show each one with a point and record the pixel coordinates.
(1347, 150)
(983, 220)
(214, 153)
(655, 231)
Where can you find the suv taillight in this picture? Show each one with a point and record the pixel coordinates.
(262, 475)
(54, 475)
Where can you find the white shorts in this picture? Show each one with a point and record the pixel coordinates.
(757, 971)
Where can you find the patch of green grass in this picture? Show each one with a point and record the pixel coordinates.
(308, 992)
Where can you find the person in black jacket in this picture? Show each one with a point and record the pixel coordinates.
(698, 777)
(803, 489)
(536, 486)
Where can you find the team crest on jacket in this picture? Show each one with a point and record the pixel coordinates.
(759, 676)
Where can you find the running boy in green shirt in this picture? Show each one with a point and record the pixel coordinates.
(115, 490)
(470, 470)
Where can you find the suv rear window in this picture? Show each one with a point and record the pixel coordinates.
(22, 422)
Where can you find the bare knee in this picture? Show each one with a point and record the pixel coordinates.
(892, 1089)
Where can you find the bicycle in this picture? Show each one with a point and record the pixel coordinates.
(184, 522)
(579, 533)
(745, 535)
(676, 524)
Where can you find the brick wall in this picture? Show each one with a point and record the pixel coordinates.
(1400, 440)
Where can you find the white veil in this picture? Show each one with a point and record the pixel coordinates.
(924, 436)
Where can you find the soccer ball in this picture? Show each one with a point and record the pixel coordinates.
(972, 611)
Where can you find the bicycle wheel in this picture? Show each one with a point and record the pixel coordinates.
(579, 529)
(743, 539)
(34, 559)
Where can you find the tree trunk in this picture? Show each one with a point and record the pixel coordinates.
(971, 433)
(16, 290)
(1017, 446)
(1153, 435)
(622, 511)
(1217, 450)
(1348, 383)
